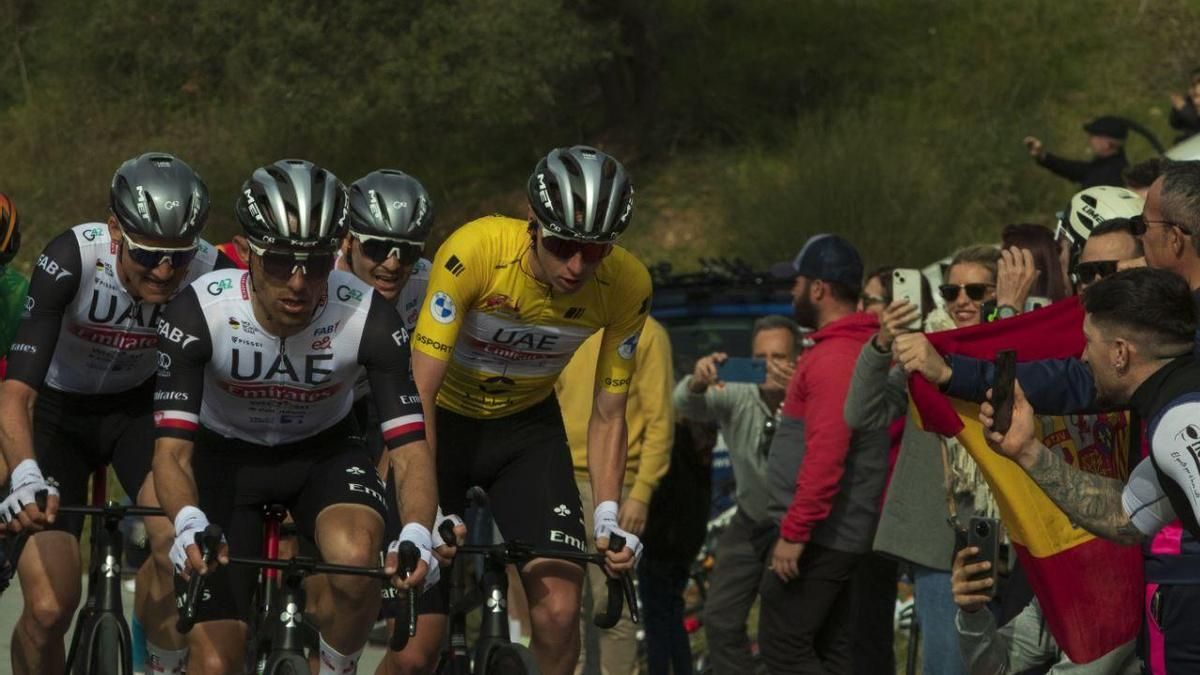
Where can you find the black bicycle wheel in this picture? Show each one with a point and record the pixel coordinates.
(105, 651)
(511, 659)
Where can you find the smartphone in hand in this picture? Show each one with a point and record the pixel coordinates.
(742, 369)
(1003, 384)
(984, 534)
(906, 285)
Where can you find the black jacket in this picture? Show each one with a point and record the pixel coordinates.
(1099, 171)
(1186, 120)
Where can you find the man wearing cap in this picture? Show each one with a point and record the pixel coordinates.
(1106, 137)
(825, 480)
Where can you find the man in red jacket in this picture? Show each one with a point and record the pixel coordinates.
(825, 480)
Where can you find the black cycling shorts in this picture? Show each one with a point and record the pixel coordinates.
(524, 463)
(235, 479)
(75, 434)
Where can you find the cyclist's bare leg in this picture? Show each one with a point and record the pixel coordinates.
(49, 571)
(420, 656)
(154, 599)
(553, 588)
(217, 648)
(349, 534)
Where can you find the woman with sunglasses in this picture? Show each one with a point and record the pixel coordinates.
(509, 303)
(391, 215)
(916, 503)
(83, 361)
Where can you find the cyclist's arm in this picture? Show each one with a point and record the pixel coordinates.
(384, 353)
(53, 286)
(607, 434)
(178, 394)
(459, 273)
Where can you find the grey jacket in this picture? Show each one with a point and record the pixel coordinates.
(738, 409)
(1025, 643)
(913, 525)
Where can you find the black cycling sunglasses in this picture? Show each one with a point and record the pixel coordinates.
(281, 265)
(1139, 225)
(151, 257)
(976, 292)
(379, 249)
(1088, 272)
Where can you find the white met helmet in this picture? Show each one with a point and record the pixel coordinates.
(1093, 206)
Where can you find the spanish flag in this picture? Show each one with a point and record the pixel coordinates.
(1090, 589)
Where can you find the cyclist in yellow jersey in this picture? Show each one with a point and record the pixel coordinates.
(509, 302)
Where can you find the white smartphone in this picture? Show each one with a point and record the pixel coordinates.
(906, 285)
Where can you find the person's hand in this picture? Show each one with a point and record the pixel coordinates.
(185, 554)
(966, 591)
(1178, 101)
(1131, 263)
(1015, 277)
(915, 354)
(605, 519)
(632, 516)
(895, 321)
(1034, 147)
(705, 373)
(20, 511)
(785, 559)
(780, 372)
(426, 572)
(444, 550)
(1019, 443)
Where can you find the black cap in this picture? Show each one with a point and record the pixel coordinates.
(827, 257)
(1107, 126)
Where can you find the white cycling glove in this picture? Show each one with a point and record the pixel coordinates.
(605, 520)
(438, 542)
(26, 481)
(189, 522)
(419, 535)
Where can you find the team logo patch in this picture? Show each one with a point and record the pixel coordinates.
(629, 347)
(562, 511)
(441, 306)
(455, 266)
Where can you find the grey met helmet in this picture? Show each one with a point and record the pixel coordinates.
(581, 193)
(393, 204)
(294, 204)
(159, 196)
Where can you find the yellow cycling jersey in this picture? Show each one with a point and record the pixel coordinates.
(507, 336)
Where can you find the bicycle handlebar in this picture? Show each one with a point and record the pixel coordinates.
(409, 557)
(620, 587)
(208, 541)
(114, 509)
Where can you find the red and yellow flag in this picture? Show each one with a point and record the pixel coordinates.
(1090, 589)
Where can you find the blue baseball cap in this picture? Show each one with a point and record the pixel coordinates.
(827, 257)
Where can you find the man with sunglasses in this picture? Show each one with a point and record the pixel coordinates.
(253, 406)
(391, 215)
(83, 361)
(509, 303)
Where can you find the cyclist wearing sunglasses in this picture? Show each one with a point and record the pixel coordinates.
(253, 406)
(83, 360)
(391, 215)
(509, 303)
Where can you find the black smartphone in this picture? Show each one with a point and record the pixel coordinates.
(742, 369)
(1003, 381)
(984, 534)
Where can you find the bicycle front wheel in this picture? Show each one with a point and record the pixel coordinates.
(108, 651)
(511, 659)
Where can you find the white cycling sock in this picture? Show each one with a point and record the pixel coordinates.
(334, 662)
(166, 661)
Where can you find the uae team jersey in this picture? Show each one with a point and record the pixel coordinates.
(82, 332)
(507, 336)
(219, 368)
